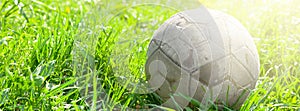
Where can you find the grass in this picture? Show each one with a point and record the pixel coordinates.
(38, 40)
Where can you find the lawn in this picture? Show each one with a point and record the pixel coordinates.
(46, 46)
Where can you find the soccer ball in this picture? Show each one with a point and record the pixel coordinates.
(202, 54)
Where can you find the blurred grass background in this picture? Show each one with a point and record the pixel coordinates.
(37, 37)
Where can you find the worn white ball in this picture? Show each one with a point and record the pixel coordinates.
(204, 54)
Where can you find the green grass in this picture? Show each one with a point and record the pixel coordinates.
(38, 40)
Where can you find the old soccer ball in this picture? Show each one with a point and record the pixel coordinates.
(203, 54)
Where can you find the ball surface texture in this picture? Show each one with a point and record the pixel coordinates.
(203, 54)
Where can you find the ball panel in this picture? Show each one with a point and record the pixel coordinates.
(205, 74)
(248, 61)
(221, 69)
(217, 51)
(200, 91)
(240, 74)
(215, 72)
(222, 29)
(170, 52)
(164, 90)
(193, 85)
(215, 91)
(182, 83)
(204, 54)
(240, 97)
(181, 53)
(173, 70)
(171, 33)
(180, 91)
(194, 34)
(227, 93)
(158, 67)
(252, 48)
(156, 81)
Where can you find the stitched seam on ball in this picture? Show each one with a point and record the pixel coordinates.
(175, 62)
